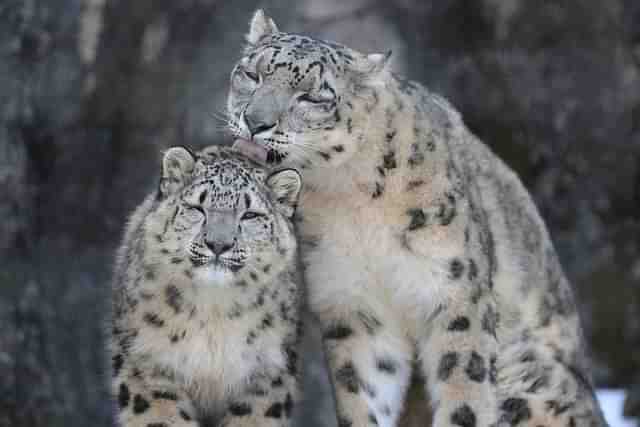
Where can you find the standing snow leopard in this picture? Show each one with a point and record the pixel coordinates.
(422, 247)
(204, 326)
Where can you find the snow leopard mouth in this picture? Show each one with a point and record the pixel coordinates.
(217, 263)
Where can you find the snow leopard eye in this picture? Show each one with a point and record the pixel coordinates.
(242, 78)
(252, 76)
(313, 100)
(251, 215)
(315, 104)
(316, 99)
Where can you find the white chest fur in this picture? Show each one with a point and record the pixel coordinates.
(214, 359)
(359, 259)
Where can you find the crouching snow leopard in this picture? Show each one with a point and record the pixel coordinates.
(204, 326)
(421, 247)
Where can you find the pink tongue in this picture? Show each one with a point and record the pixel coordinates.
(251, 150)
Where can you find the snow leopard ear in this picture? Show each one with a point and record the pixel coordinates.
(177, 166)
(261, 26)
(373, 63)
(285, 186)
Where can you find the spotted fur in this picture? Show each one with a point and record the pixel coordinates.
(426, 247)
(204, 326)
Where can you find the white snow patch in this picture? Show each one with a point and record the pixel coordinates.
(611, 402)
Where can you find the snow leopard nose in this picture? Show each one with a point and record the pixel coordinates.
(256, 126)
(218, 247)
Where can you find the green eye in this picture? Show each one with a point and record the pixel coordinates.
(251, 215)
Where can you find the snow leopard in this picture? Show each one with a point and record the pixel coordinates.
(423, 251)
(205, 309)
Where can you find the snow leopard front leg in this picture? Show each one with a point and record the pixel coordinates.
(267, 401)
(146, 397)
(370, 368)
(458, 356)
(458, 346)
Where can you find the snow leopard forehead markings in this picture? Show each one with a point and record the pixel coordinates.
(299, 55)
(223, 180)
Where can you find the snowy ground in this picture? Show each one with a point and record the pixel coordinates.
(611, 402)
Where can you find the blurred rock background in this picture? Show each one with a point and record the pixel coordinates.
(91, 91)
